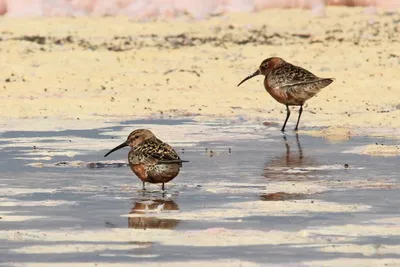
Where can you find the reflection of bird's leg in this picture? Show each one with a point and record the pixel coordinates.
(287, 117)
(287, 149)
(298, 120)
(299, 146)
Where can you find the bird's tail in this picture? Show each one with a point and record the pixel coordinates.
(311, 88)
(326, 81)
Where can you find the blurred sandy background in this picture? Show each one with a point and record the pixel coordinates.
(145, 9)
(68, 72)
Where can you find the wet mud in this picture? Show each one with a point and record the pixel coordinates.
(249, 196)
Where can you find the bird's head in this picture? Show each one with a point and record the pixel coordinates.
(265, 67)
(134, 138)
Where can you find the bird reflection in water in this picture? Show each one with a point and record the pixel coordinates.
(157, 206)
(289, 166)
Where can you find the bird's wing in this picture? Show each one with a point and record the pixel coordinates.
(289, 76)
(297, 82)
(315, 84)
(153, 153)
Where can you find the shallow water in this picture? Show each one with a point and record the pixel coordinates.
(223, 192)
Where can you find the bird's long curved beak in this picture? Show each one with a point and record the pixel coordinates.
(124, 144)
(258, 72)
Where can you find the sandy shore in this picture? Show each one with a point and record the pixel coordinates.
(81, 73)
(64, 72)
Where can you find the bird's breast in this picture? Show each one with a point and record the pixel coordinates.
(277, 93)
(140, 170)
(134, 158)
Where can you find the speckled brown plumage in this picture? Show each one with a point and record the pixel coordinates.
(288, 84)
(151, 159)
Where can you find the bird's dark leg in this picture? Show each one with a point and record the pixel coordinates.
(162, 187)
(287, 117)
(143, 187)
(298, 120)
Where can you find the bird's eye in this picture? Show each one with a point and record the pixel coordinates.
(137, 136)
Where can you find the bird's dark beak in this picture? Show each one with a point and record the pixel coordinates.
(124, 144)
(258, 72)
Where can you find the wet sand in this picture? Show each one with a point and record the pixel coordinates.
(62, 73)
(257, 200)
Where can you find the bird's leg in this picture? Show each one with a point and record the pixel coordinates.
(162, 187)
(298, 120)
(287, 117)
(143, 187)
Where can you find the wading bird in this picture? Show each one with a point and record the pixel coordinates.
(151, 159)
(288, 84)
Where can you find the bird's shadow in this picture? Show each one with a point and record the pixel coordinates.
(289, 159)
(147, 213)
(288, 166)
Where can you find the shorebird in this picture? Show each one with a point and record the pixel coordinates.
(288, 84)
(151, 159)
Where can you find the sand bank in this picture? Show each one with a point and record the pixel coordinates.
(63, 72)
